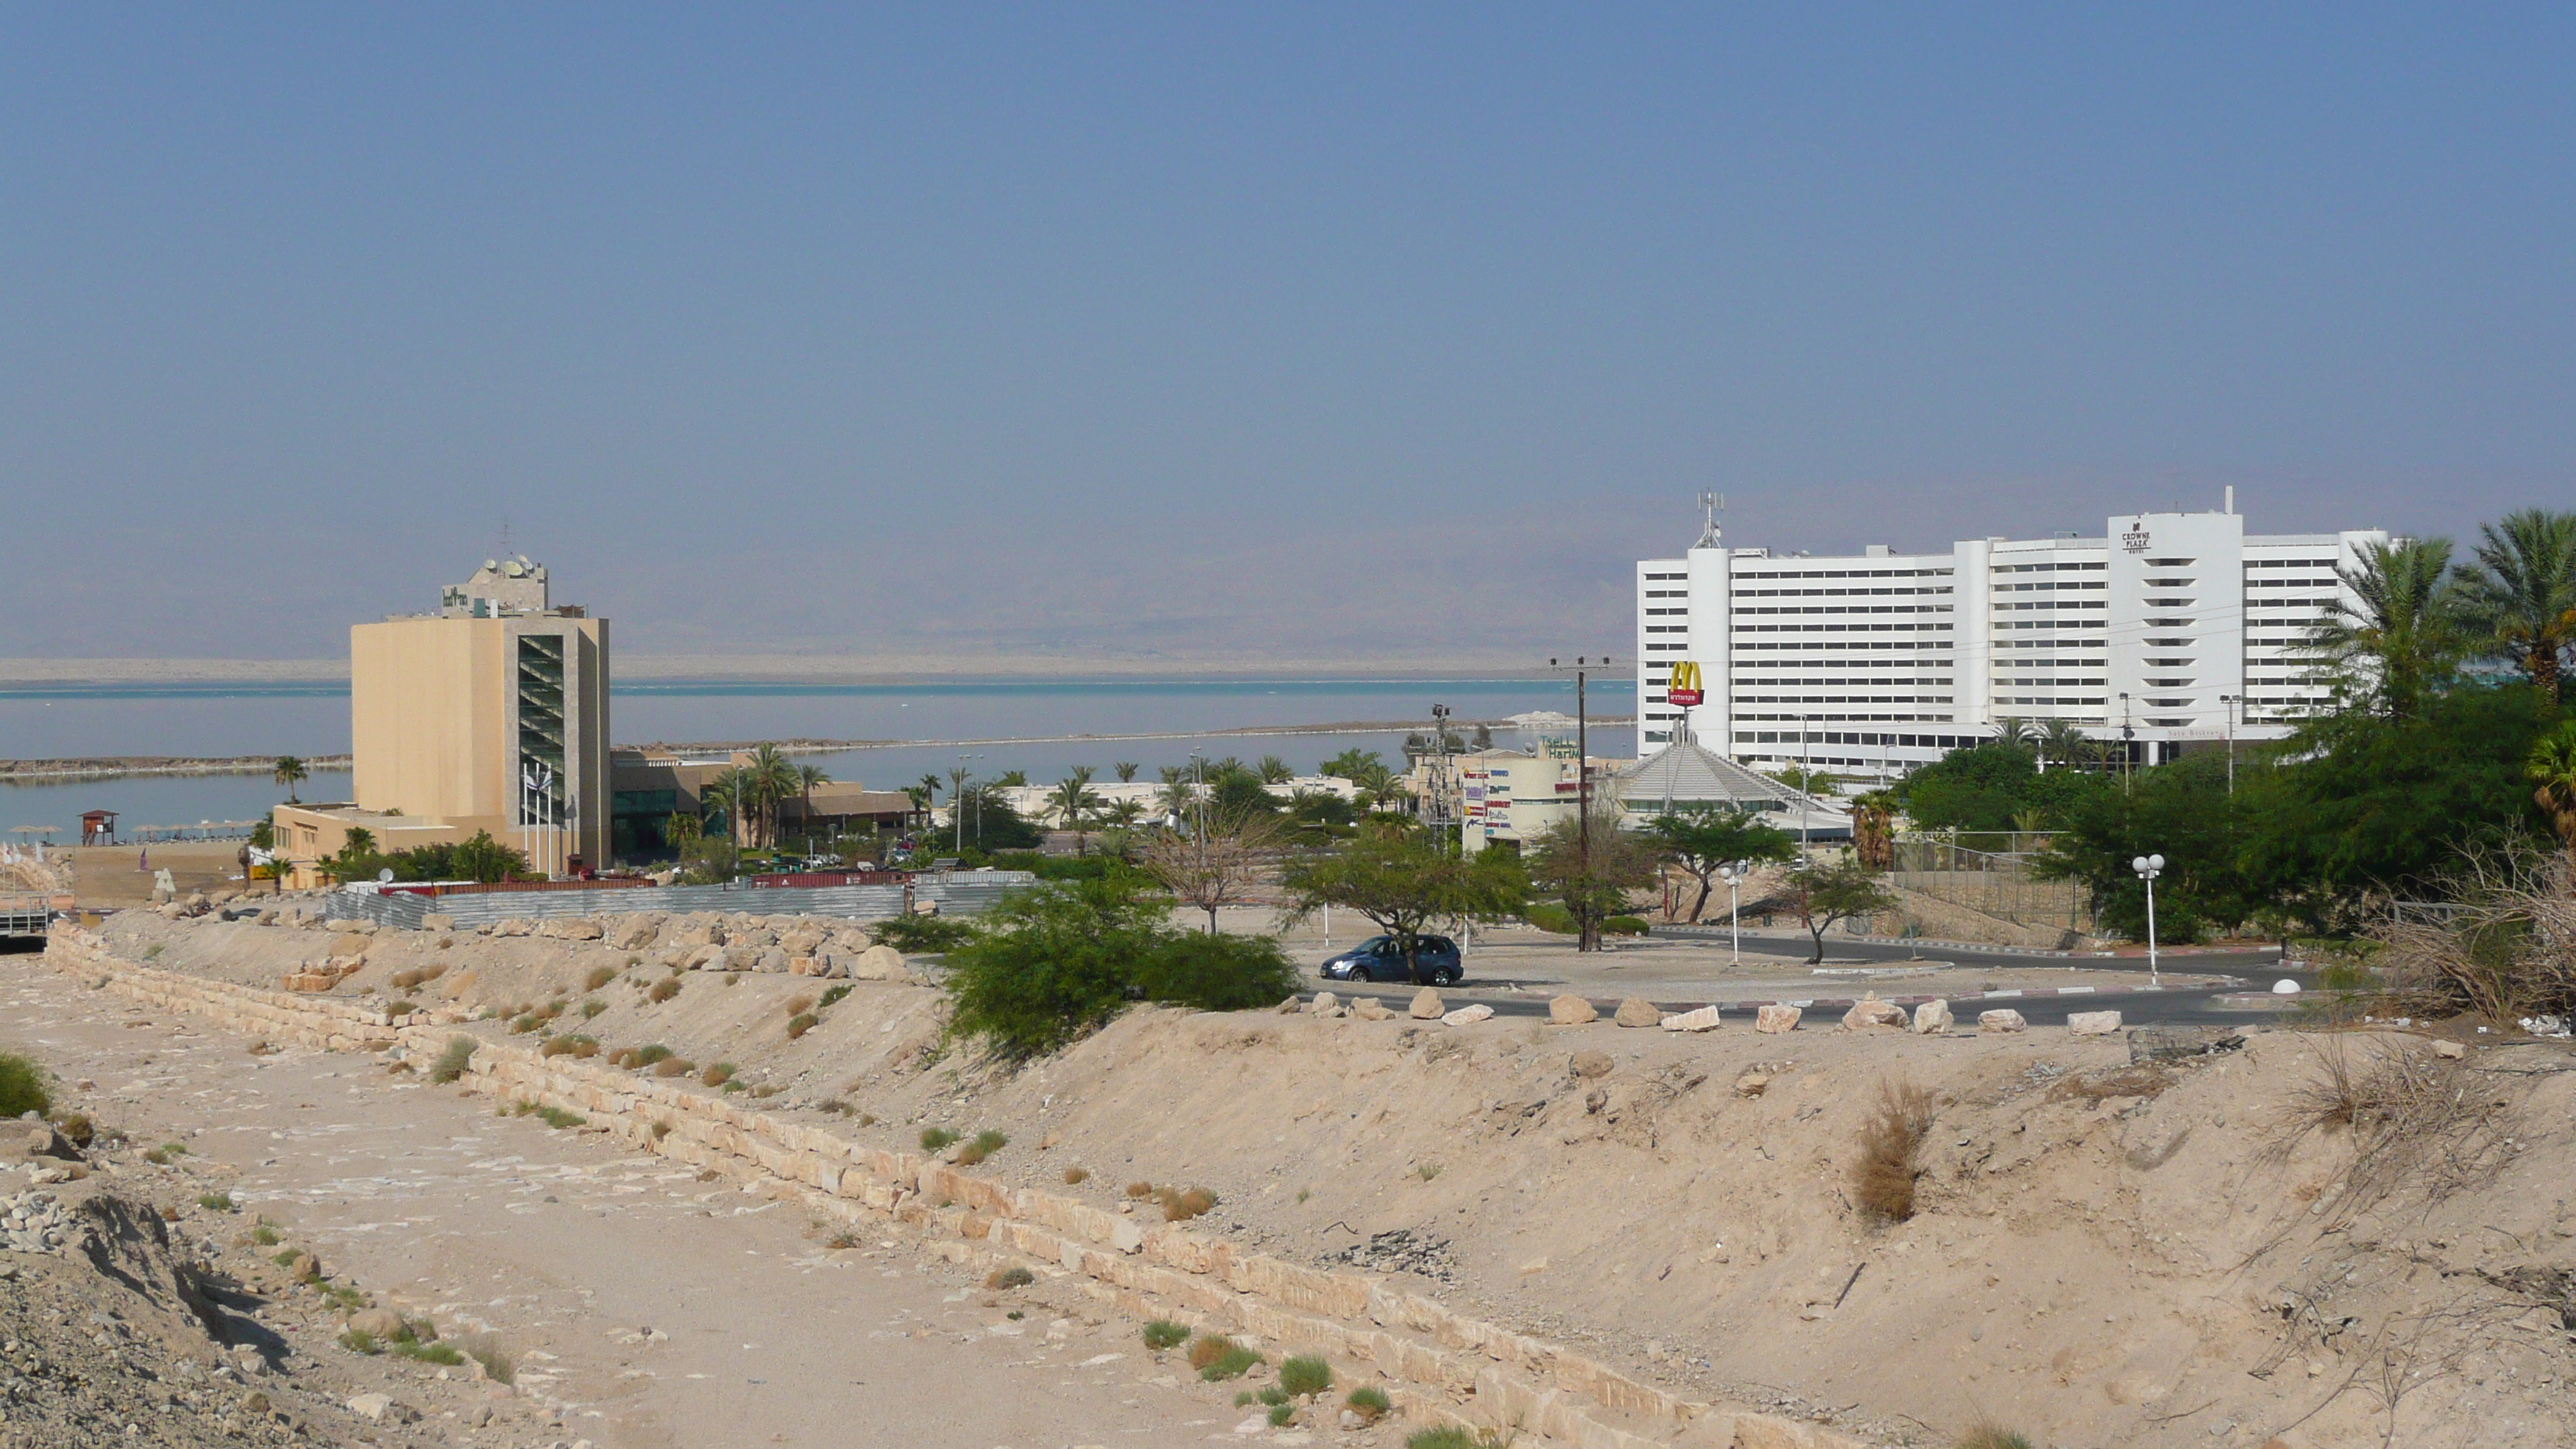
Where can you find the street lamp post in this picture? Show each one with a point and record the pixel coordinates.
(2148, 868)
(2231, 702)
(1734, 873)
(1590, 939)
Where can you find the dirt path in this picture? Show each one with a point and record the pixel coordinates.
(647, 1308)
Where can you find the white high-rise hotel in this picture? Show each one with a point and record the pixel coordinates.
(2172, 627)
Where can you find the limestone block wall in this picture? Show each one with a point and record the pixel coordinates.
(1443, 1366)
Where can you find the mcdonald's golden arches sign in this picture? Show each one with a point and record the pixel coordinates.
(1683, 689)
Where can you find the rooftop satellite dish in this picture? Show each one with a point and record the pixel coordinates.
(385, 876)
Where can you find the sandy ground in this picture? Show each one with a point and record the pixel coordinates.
(109, 875)
(645, 1308)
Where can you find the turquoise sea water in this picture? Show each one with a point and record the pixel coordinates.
(313, 719)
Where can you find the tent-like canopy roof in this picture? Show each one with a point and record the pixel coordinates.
(1687, 774)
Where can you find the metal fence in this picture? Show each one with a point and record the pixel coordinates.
(964, 895)
(1991, 882)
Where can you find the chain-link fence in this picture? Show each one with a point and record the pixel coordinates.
(1995, 883)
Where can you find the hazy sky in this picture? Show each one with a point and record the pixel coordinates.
(1370, 330)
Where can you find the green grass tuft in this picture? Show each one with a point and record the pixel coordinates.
(937, 1139)
(1305, 1375)
(1163, 1334)
(221, 1202)
(453, 1061)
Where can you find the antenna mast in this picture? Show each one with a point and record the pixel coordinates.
(1710, 505)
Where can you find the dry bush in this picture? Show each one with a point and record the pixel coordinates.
(674, 1067)
(2410, 1119)
(2507, 954)
(799, 1005)
(1180, 1207)
(717, 1075)
(801, 1023)
(1209, 1348)
(2147, 1082)
(1140, 1189)
(1891, 1141)
(405, 980)
(599, 976)
(1074, 1175)
(1987, 1434)
(1013, 1277)
(664, 989)
(626, 1057)
(986, 1143)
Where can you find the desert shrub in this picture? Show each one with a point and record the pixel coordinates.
(487, 1351)
(661, 1129)
(1369, 1402)
(801, 1023)
(1891, 1141)
(1282, 1415)
(1140, 1189)
(525, 1022)
(799, 1005)
(1218, 1358)
(1010, 1278)
(221, 1202)
(1426, 1170)
(717, 1075)
(664, 989)
(2508, 953)
(153, 951)
(1991, 1435)
(1218, 973)
(922, 935)
(556, 1047)
(674, 1067)
(842, 1240)
(646, 1056)
(831, 996)
(833, 1105)
(558, 1117)
(592, 1006)
(867, 1119)
(358, 1340)
(76, 1128)
(444, 1354)
(22, 1086)
(402, 1008)
(1163, 1334)
(1073, 1175)
(286, 1258)
(599, 976)
(2410, 1120)
(1305, 1375)
(1180, 1207)
(166, 1153)
(626, 1057)
(265, 1236)
(986, 1143)
(452, 1062)
(404, 980)
(1450, 1436)
(937, 1139)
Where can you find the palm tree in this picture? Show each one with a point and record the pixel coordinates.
(1274, 770)
(2398, 636)
(1075, 801)
(1874, 829)
(2552, 766)
(2011, 731)
(289, 770)
(807, 777)
(2522, 593)
(1123, 815)
(724, 794)
(1126, 771)
(2063, 742)
(773, 779)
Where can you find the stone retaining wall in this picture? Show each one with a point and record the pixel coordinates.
(1445, 1367)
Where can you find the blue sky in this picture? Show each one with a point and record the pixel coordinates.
(1231, 330)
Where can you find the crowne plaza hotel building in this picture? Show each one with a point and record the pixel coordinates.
(2167, 628)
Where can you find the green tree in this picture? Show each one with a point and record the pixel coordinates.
(769, 779)
(808, 779)
(1125, 770)
(1823, 893)
(288, 771)
(1401, 880)
(2398, 638)
(993, 824)
(1239, 795)
(1591, 871)
(485, 859)
(1700, 837)
(1053, 963)
(707, 860)
(1982, 787)
(1075, 803)
(1274, 771)
(1218, 973)
(357, 857)
(1011, 780)
(2183, 812)
(2522, 591)
(2552, 766)
(1352, 765)
(1801, 778)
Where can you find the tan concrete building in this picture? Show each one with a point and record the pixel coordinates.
(490, 715)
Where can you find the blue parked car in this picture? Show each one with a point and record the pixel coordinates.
(1379, 958)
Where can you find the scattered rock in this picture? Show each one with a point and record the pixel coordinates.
(1751, 1084)
(1371, 1009)
(1325, 1004)
(1426, 1005)
(1465, 1015)
(2001, 1019)
(1777, 1018)
(1638, 1011)
(1571, 1010)
(381, 1323)
(2449, 1050)
(1932, 1018)
(878, 963)
(1871, 1014)
(1589, 1064)
(1702, 1019)
(2093, 1023)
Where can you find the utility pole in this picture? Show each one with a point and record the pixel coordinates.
(1590, 939)
(2230, 702)
(2128, 743)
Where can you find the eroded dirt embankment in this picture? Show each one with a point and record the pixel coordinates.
(2103, 1251)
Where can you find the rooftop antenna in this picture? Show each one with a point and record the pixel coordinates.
(1711, 505)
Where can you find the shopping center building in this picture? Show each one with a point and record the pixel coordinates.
(2167, 629)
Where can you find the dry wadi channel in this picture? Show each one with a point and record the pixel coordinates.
(1579, 1234)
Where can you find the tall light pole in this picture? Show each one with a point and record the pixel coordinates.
(1590, 939)
(1734, 873)
(957, 801)
(2231, 702)
(2148, 868)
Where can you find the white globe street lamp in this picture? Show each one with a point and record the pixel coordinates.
(1734, 873)
(2148, 868)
